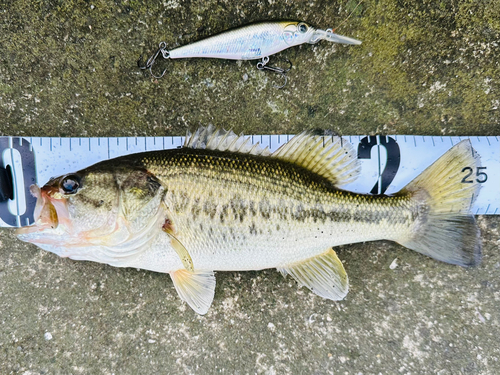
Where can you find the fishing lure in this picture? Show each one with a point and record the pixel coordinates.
(251, 42)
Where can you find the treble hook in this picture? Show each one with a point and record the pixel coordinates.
(262, 65)
(149, 64)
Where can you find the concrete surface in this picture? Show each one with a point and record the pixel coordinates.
(425, 67)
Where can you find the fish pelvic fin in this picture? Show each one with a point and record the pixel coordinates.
(331, 157)
(445, 229)
(324, 275)
(196, 288)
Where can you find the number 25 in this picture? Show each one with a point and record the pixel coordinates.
(481, 176)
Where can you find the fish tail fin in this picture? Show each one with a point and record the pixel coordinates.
(445, 229)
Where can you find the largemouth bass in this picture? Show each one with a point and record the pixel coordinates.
(222, 204)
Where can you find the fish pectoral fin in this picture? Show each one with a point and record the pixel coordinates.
(195, 288)
(181, 251)
(324, 275)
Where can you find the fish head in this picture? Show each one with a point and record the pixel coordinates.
(79, 214)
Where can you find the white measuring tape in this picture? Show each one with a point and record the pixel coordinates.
(388, 163)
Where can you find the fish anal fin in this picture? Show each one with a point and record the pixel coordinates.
(179, 248)
(197, 289)
(324, 275)
(331, 157)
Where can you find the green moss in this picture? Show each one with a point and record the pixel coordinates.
(424, 67)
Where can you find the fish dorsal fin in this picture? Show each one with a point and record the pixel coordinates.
(324, 275)
(195, 288)
(211, 138)
(330, 157)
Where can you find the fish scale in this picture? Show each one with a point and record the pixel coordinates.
(310, 212)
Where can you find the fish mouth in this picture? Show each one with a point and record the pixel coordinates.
(48, 214)
(330, 36)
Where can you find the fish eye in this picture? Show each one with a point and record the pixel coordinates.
(70, 184)
(302, 27)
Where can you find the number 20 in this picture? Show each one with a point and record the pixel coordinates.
(481, 176)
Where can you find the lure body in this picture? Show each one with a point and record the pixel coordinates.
(256, 41)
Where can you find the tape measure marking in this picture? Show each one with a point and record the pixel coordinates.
(388, 163)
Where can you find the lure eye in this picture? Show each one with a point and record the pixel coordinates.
(70, 184)
(302, 27)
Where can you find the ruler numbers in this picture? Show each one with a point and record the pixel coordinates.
(481, 176)
(388, 164)
(392, 163)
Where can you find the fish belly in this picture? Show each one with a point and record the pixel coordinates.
(230, 250)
